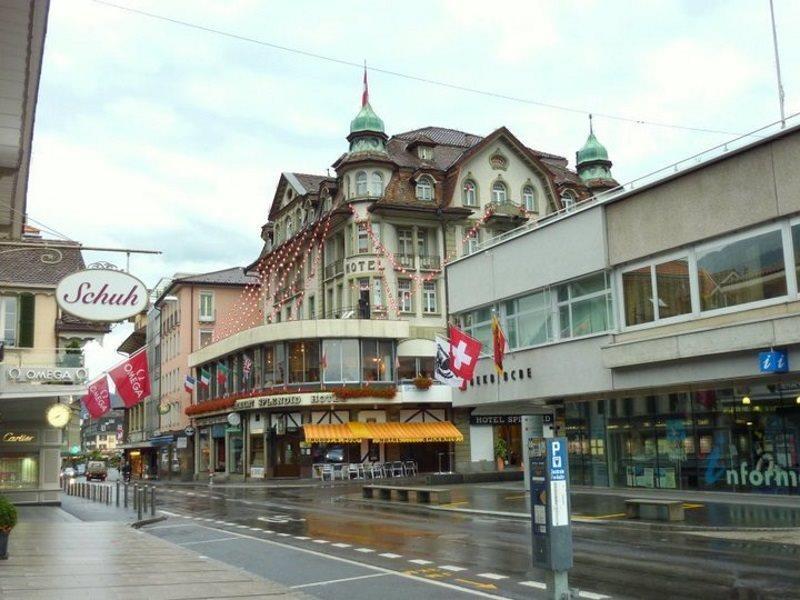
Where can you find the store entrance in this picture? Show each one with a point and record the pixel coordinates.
(286, 454)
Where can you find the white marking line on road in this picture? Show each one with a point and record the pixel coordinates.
(367, 566)
(390, 555)
(243, 527)
(254, 529)
(492, 576)
(224, 539)
(593, 596)
(421, 561)
(302, 537)
(171, 514)
(284, 534)
(320, 541)
(372, 576)
(171, 526)
(365, 550)
(341, 545)
(539, 585)
(220, 522)
(452, 568)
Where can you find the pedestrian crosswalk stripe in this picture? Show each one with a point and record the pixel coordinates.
(539, 585)
(284, 534)
(390, 555)
(493, 576)
(254, 529)
(452, 568)
(320, 541)
(365, 550)
(242, 526)
(341, 545)
(592, 596)
(301, 537)
(421, 561)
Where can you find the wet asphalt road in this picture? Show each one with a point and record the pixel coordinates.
(330, 544)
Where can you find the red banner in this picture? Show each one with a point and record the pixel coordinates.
(97, 399)
(132, 379)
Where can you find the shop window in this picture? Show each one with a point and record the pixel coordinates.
(529, 320)
(274, 365)
(304, 361)
(410, 367)
(340, 361)
(584, 306)
(377, 362)
(741, 271)
(19, 471)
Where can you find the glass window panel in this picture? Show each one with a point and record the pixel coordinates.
(796, 244)
(19, 471)
(637, 290)
(350, 365)
(743, 271)
(589, 316)
(407, 369)
(483, 333)
(534, 328)
(385, 362)
(369, 360)
(588, 285)
(672, 283)
(534, 301)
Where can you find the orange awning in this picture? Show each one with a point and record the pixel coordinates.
(388, 433)
(399, 433)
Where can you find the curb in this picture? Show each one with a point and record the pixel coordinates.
(143, 522)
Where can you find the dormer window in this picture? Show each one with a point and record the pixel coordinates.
(377, 184)
(361, 184)
(568, 199)
(425, 188)
(499, 192)
(470, 193)
(425, 152)
(289, 227)
(529, 198)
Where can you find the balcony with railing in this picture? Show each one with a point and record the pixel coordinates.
(334, 269)
(405, 260)
(44, 357)
(430, 262)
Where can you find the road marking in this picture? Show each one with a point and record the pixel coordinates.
(365, 550)
(390, 555)
(171, 526)
(517, 497)
(454, 504)
(478, 584)
(689, 506)
(421, 561)
(539, 585)
(595, 517)
(220, 522)
(452, 568)
(363, 565)
(492, 576)
(243, 527)
(301, 537)
(341, 545)
(371, 576)
(225, 539)
(593, 596)
(254, 529)
(320, 541)
(284, 534)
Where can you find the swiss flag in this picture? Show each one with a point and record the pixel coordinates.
(464, 353)
(97, 399)
(132, 379)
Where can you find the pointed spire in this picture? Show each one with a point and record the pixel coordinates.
(365, 93)
(591, 130)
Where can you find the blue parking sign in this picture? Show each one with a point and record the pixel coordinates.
(556, 459)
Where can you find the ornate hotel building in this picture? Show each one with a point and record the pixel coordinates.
(330, 357)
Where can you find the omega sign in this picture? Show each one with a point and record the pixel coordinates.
(47, 374)
(101, 295)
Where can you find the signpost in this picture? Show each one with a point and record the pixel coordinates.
(548, 472)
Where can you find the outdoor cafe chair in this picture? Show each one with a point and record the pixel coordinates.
(411, 467)
(398, 469)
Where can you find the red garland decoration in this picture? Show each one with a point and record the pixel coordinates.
(209, 406)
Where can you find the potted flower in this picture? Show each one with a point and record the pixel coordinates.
(8, 518)
(422, 382)
(501, 453)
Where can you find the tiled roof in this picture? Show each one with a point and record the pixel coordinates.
(39, 262)
(233, 276)
(442, 136)
(69, 323)
(310, 182)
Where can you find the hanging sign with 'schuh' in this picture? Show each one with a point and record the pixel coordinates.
(101, 295)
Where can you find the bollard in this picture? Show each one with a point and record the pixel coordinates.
(153, 501)
(125, 503)
(139, 504)
(144, 498)
(117, 495)
(135, 496)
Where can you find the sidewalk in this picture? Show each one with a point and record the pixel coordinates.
(53, 555)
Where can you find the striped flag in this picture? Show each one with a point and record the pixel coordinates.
(189, 383)
(222, 373)
(205, 378)
(247, 366)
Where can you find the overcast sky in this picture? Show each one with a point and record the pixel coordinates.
(153, 135)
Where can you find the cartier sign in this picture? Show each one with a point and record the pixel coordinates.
(18, 437)
(101, 295)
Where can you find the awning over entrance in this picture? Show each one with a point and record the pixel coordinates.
(391, 433)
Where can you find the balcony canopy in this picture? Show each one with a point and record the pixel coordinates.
(388, 433)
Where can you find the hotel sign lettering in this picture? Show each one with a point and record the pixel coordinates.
(361, 265)
(283, 400)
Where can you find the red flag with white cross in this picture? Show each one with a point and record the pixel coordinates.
(464, 353)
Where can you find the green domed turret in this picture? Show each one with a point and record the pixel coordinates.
(592, 163)
(366, 120)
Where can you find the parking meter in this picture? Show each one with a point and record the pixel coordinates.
(548, 469)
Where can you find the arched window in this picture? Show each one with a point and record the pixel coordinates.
(568, 199)
(529, 198)
(289, 227)
(470, 193)
(425, 188)
(499, 192)
(377, 184)
(361, 184)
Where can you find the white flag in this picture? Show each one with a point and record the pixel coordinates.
(442, 371)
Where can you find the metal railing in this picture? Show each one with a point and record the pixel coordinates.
(142, 497)
(430, 262)
(334, 268)
(405, 260)
(686, 164)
